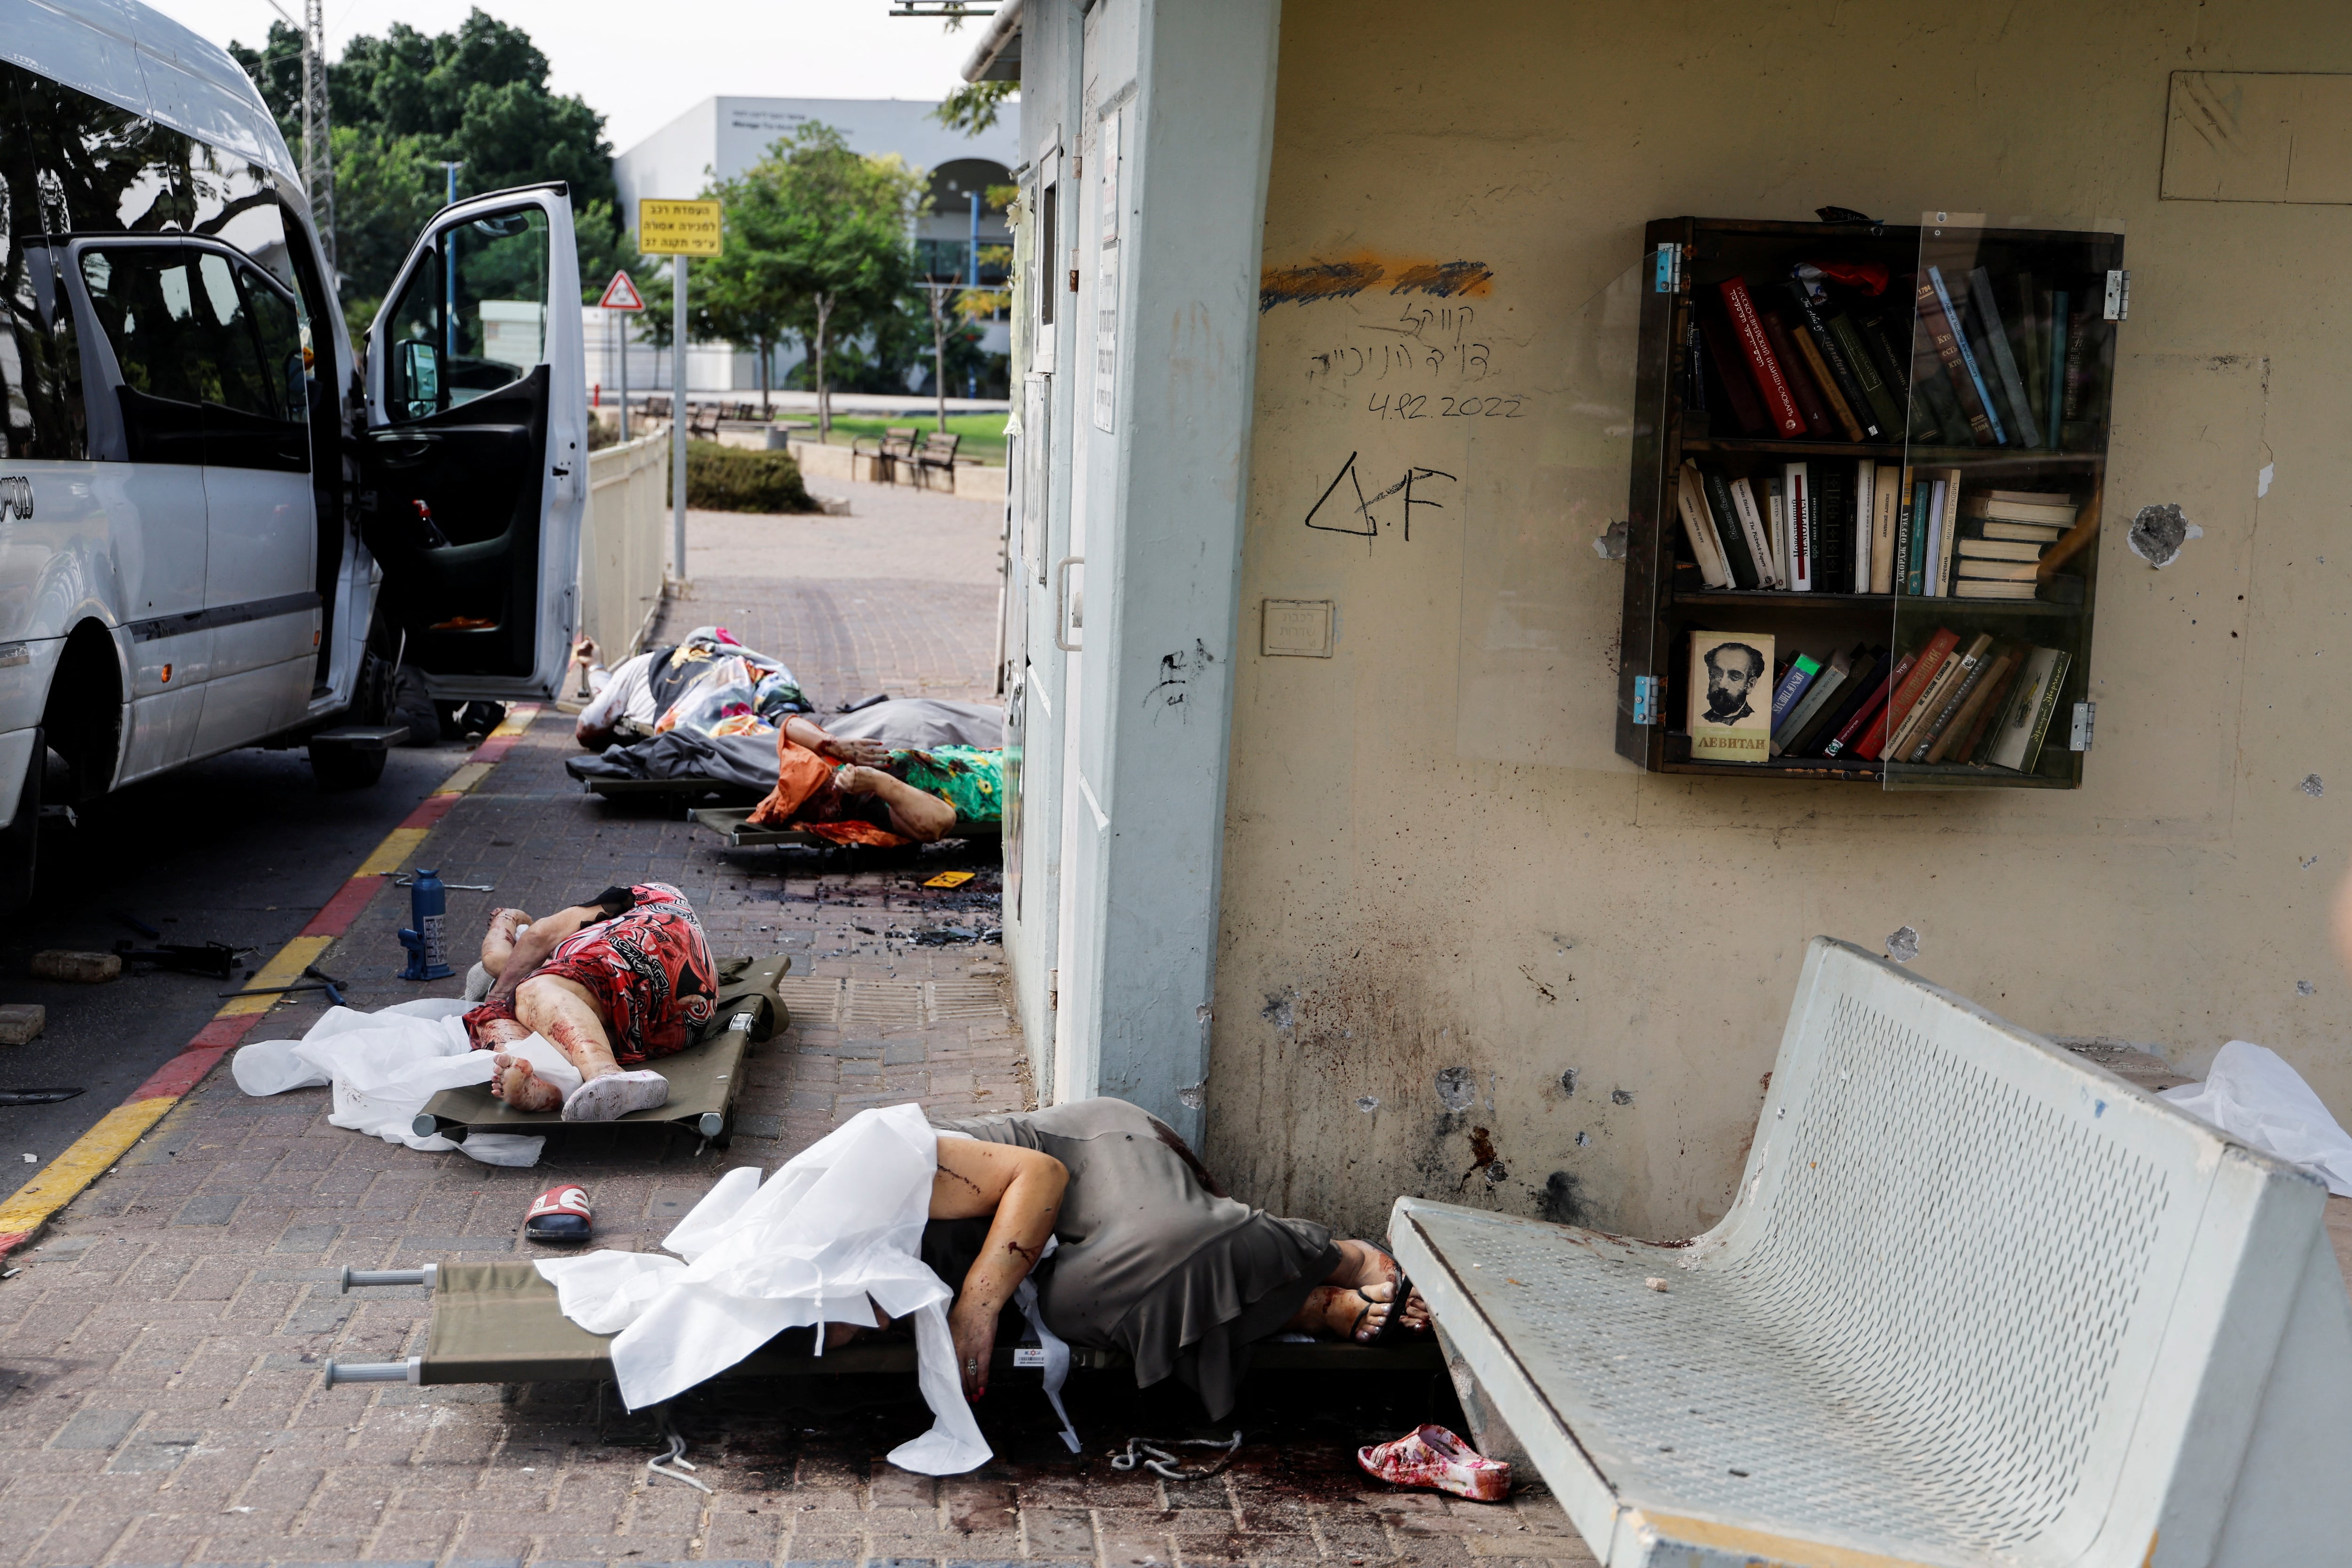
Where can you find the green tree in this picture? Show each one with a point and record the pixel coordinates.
(823, 235)
(404, 102)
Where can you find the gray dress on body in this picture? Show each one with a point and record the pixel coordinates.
(1154, 1259)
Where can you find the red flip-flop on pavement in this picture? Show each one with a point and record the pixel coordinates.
(1433, 1457)
(561, 1214)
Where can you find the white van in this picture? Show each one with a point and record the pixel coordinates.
(212, 533)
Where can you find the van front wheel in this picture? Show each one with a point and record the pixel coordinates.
(346, 767)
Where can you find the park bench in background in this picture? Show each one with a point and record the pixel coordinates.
(938, 452)
(702, 421)
(656, 408)
(896, 446)
(1977, 1301)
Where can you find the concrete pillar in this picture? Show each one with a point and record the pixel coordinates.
(1190, 85)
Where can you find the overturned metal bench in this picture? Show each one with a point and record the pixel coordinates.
(1976, 1302)
(502, 1323)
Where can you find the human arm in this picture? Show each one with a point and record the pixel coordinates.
(534, 943)
(914, 814)
(803, 731)
(1022, 1190)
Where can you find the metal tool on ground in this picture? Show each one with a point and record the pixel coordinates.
(427, 941)
(278, 990)
(408, 879)
(214, 960)
(36, 1096)
(334, 986)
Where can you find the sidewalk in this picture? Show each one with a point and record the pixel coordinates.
(160, 1396)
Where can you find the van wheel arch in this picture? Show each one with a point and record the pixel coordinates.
(83, 717)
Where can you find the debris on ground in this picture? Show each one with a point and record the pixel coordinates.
(214, 960)
(76, 968)
(1152, 1454)
(22, 1022)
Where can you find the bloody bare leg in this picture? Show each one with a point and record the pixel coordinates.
(562, 1011)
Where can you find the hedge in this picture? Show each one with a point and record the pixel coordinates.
(733, 478)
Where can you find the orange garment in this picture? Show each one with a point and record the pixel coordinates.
(800, 774)
(806, 797)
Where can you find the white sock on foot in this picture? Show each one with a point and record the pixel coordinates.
(616, 1095)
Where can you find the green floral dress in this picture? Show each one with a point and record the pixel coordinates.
(971, 779)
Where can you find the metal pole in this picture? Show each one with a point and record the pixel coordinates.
(623, 317)
(971, 281)
(449, 273)
(677, 416)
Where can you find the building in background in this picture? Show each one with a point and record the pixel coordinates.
(720, 138)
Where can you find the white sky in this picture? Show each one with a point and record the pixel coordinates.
(642, 66)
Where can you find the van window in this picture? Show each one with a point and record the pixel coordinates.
(472, 317)
(96, 167)
(40, 362)
(210, 355)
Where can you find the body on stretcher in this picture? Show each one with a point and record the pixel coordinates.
(734, 824)
(500, 1322)
(705, 1078)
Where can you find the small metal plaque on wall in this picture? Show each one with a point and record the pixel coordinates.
(1297, 628)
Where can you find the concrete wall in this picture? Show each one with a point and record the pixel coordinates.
(1432, 858)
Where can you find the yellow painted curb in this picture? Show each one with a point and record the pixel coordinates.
(32, 1206)
(398, 845)
(284, 969)
(89, 1156)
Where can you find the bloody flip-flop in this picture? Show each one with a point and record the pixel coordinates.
(561, 1215)
(1434, 1457)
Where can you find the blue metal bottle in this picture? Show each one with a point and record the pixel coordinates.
(428, 942)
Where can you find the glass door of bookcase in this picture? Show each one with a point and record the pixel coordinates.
(1988, 543)
(1539, 565)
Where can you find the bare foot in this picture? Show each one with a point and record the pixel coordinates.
(518, 1085)
(1367, 1278)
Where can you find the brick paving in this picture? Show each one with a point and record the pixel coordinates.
(160, 1352)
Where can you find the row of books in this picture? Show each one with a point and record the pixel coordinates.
(1984, 702)
(1862, 528)
(1989, 364)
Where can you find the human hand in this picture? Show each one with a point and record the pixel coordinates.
(973, 1327)
(862, 753)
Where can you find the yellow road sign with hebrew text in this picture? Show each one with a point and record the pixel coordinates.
(678, 228)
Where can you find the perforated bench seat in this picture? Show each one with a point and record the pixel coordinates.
(1976, 1302)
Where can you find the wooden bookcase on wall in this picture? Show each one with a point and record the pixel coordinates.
(1665, 596)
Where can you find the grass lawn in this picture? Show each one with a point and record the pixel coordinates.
(984, 434)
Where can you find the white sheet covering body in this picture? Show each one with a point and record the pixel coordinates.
(383, 1066)
(2251, 1092)
(840, 1225)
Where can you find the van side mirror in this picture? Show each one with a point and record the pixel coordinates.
(419, 368)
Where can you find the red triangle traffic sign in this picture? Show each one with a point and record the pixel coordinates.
(621, 294)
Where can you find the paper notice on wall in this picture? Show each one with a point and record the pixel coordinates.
(1107, 339)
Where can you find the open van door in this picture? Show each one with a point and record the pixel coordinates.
(475, 465)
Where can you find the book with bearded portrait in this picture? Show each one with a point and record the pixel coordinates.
(1731, 696)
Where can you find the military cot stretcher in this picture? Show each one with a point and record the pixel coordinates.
(704, 1079)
